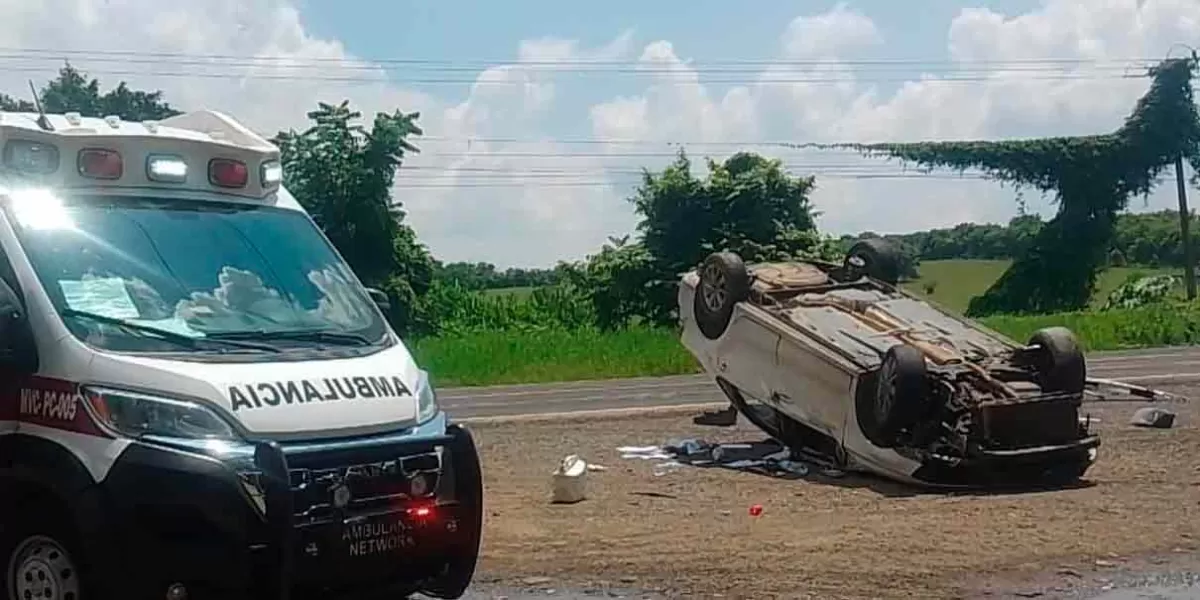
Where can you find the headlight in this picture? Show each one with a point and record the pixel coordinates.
(135, 415)
(427, 406)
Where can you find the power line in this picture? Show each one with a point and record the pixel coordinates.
(559, 68)
(685, 79)
(51, 53)
(437, 172)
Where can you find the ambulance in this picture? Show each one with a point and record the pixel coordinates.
(199, 399)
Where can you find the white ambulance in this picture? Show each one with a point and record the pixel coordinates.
(198, 398)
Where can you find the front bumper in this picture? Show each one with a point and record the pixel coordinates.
(262, 521)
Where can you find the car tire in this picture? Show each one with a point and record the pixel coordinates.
(724, 281)
(40, 550)
(876, 258)
(1059, 361)
(468, 490)
(901, 394)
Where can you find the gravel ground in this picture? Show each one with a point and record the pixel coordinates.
(689, 533)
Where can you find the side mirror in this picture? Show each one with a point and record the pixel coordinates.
(380, 298)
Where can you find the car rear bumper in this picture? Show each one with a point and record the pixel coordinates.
(1013, 467)
(168, 516)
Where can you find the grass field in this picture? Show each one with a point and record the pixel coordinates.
(955, 282)
(532, 357)
(500, 357)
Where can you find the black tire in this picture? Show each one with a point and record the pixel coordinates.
(901, 392)
(468, 489)
(1059, 361)
(38, 552)
(724, 281)
(875, 258)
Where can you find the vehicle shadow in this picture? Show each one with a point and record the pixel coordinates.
(768, 458)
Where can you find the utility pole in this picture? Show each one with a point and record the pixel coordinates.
(1185, 219)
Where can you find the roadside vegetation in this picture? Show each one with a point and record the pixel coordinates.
(1106, 273)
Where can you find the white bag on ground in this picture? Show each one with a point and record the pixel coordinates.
(569, 482)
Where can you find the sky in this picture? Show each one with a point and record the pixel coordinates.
(538, 116)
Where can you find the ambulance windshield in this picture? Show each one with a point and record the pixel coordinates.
(201, 270)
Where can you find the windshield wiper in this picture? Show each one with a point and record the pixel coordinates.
(299, 335)
(165, 334)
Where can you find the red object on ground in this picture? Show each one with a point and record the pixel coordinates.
(755, 510)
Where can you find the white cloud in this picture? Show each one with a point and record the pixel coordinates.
(450, 189)
(827, 101)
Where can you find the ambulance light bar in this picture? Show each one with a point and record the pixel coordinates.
(40, 158)
(30, 157)
(272, 173)
(166, 168)
(99, 163)
(228, 173)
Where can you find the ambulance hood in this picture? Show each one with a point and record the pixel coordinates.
(285, 399)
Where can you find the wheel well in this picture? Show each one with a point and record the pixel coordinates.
(18, 493)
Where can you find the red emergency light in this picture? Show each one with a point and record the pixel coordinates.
(228, 173)
(99, 163)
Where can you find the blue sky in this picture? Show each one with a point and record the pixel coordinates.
(700, 30)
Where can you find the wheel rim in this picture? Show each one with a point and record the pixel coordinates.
(885, 397)
(41, 568)
(713, 289)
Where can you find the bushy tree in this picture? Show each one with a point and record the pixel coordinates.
(748, 204)
(343, 173)
(72, 91)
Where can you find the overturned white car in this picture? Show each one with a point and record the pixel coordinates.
(836, 360)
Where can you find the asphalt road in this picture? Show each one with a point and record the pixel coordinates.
(1151, 367)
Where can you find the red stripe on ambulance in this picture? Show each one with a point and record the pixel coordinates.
(49, 402)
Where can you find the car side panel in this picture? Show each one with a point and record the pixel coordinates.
(813, 385)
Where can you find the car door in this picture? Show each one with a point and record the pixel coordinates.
(813, 383)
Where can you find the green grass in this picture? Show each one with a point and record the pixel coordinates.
(955, 282)
(498, 357)
(519, 292)
(536, 357)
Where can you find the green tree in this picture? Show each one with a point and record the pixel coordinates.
(72, 91)
(342, 174)
(747, 204)
(1093, 178)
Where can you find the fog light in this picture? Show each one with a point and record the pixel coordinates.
(418, 485)
(176, 591)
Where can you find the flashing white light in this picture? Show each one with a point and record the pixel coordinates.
(39, 208)
(272, 173)
(167, 169)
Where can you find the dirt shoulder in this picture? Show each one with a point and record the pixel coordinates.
(689, 532)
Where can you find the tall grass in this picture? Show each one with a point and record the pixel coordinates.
(551, 352)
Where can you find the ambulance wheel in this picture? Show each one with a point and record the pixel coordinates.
(41, 560)
(724, 281)
(468, 490)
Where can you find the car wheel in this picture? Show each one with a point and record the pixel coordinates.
(875, 258)
(468, 489)
(40, 560)
(1059, 360)
(724, 281)
(901, 392)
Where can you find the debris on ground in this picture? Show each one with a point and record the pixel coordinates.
(569, 481)
(1152, 416)
(765, 458)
